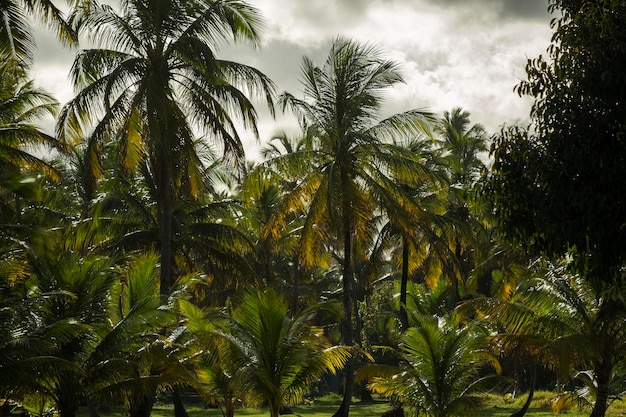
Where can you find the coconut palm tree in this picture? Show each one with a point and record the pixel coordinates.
(557, 320)
(440, 369)
(61, 287)
(21, 106)
(206, 234)
(462, 145)
(97, 330)
(413, 232)
(346, 167)
(17, 42)
(262, 192)
(279, 357)
(155, 80)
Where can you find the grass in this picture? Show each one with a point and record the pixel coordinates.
(499, 406)
(496, 406)
(320, 407)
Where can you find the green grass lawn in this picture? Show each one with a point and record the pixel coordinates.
(496, 406)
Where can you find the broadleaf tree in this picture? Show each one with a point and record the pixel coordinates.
(557, 185)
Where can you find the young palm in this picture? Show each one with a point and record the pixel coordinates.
(440, 370)
(102, 329)
(279, 358)
(155, 80)
(346, 166)
(556, 319)
(67, 296)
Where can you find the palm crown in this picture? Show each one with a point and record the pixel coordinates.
(155, 82)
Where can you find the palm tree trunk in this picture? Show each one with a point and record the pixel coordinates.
(404, 317)
(158, 121)
(165, 226)
(179, 406)
(296, 283)
(67, 403)
(346, 323)
(531, 392)
(142, 407)
(229, 407)
(274, 409)
(603, 377)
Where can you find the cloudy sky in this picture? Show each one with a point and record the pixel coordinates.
(467, 53)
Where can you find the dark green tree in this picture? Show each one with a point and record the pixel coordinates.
(557, 186)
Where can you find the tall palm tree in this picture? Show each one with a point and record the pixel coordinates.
(346, 166)
(414, 231)
(21, 107)
(156, 80)
(463, 143)
(262, 193)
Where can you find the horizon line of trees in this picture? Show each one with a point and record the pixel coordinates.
(147, 256)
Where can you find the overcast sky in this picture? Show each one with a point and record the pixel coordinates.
(467, 53)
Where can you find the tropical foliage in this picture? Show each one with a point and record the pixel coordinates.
(154, 82)
(441, 368)
(143, 258)
(279, 358)
(352, 154)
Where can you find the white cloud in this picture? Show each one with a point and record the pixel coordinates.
(468, 53)
(452, 53)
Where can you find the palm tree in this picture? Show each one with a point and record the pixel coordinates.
(262, 193)
(440, 369)
(67, 298)
(97, 333)
(21, 106)
(416, 230)
(206, 235)
(462, 145)
(346, 166)
(279, 357)
(157, 79)
(17, 43)
(557, 320)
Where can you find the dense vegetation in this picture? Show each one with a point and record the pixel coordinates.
(144, 258)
